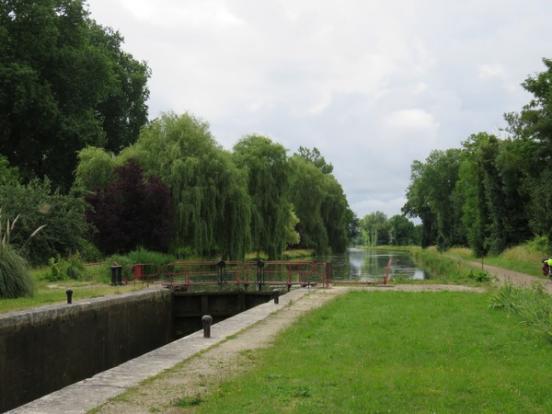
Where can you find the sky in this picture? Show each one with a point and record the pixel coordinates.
(374, 85)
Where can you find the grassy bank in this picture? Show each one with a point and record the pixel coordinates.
(394, 352)
(444, 268)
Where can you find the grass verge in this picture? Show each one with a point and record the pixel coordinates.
(395, 352)
(444, 268)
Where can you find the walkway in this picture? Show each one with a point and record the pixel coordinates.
(510, 276)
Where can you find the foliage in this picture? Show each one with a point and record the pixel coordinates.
(533, 306)
(374, 229)
(315, 157)
(443, 267)
(15, 280)
(492, 193)
(94, 171)
(65, 83)
(37, 205)
(8, 174)
(154, 261)
(65, 268)
(131, 211)
(322, 208)
(265, 166)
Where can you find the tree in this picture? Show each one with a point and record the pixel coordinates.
(431, 197)
(315, 157)
(38, 205)
(65, 83)
(401, 231)
(211, 203)
(131, 212)
(94, 170)
(307, 193)
(374, 229)
(266, 168)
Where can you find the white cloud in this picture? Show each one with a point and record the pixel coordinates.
(373, 84)
(411, 119)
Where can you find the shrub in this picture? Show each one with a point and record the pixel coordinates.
(61, 269)
(15, 279)
(37, 205)
(131, 211)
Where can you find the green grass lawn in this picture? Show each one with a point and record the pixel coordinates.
(45, 295)
(395, 352)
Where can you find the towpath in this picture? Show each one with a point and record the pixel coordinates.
(516, 278)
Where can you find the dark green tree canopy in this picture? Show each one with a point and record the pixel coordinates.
(65, 83)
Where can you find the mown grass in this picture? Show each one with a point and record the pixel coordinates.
(56, 294)
(395, 352)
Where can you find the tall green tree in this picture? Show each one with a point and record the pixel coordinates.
(211, 204)
(65, 83)
(431, 197)
(266, 168)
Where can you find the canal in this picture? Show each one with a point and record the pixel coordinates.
(364, 264)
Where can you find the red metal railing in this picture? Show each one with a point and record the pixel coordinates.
(186, 274)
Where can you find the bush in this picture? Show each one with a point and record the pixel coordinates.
(15, 279)
(61, 269)
(155, 262)
(38, 205)
(131, 211)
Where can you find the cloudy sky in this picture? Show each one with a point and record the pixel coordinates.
(373, 84)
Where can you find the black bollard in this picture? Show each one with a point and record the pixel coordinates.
(207, 320)
(276, 296)
(120, 275)
(69, 293)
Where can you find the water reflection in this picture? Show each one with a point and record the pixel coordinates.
(365, 264)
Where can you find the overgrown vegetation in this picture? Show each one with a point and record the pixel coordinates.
(533, 306)
(442, 267)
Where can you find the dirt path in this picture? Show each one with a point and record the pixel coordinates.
(192, 379)
(516, 278)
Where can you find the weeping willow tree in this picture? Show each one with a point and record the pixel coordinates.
(265, 165)
(307, 195)
(212, 206)
(320, 204)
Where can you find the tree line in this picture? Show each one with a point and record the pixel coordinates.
(492, 192)
(77, 152)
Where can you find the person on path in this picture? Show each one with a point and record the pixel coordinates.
(547, 267)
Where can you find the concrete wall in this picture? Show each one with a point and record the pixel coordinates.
(188, 308)
(47, 348)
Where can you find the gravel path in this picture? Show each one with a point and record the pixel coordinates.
(516, 278)
(195, 377)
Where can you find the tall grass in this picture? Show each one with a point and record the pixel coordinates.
(533, 306)
(444, 268)
(15, 279)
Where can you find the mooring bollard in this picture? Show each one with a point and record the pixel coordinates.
(207, 320)
(276, 296)
(69, 293)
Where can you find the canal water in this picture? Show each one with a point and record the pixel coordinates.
(369, 265)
